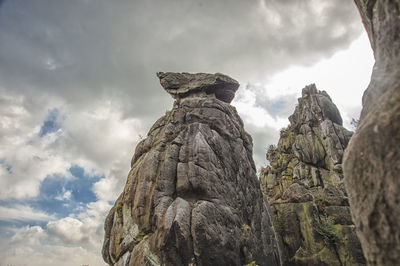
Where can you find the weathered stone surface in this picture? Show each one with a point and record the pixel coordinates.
(304, 183)
(192, 195)
(372, 159)
(180, 85)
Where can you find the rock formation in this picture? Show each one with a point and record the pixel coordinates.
(372, 159)
(304, 184)
(192, 196)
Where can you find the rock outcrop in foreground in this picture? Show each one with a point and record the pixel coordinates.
(304, 184)
(372, 159)
(192, 196)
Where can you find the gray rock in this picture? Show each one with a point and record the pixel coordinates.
(179, 85)
(304, 183)
(315, 107)
(297, 193)
(372, 159)
(308, 148)
(192, 195)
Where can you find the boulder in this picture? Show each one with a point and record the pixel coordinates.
(179, 85)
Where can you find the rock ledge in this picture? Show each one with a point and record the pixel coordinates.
(181, 85)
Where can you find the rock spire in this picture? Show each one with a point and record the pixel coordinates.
(192, 196)
(304, 184)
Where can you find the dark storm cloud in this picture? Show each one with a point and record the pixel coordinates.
(83, 50)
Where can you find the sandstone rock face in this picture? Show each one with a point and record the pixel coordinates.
(304, 184)
(192, 196)
(179, 85)
(372, 159)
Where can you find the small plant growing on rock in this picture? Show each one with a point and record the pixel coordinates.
(193, 263)
(326, 228)
(245, 228)
(321, 204)
(142, 236)
(246, 231)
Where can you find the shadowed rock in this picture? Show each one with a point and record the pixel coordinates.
(304, 184)
(372, 159)
(192, 196)
(179, 85)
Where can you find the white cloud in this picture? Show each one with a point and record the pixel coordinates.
(96, 138)
(66, 195)
(74, 240)
(68, 229)
(84, 229)
(19, 212)
(82, 52)
(344, 76)
(28, 247)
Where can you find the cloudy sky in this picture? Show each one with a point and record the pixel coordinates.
(78, 91)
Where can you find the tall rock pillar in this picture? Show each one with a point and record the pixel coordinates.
(304, 184)
(192, 196)
(372, 159)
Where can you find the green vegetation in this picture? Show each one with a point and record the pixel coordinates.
(142, 236)
(246, 231)
(193, 263)
(245, 228)
(321, 203)
(326, 228)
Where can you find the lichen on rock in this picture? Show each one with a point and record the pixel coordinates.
(193, 186)
(304, 184)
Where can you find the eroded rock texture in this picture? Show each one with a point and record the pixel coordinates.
(304, 184)
(372, 160)
(192, 195)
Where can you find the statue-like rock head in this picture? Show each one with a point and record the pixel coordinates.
(181, 85)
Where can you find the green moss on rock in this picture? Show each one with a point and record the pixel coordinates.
(304, 183)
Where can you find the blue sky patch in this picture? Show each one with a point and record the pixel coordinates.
(6, 166)
(61, 196)
(52, 200)
(276, 107)
(281, 107)
(17, 224)
(51, 123)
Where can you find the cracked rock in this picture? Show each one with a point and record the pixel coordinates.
(304, 184)
(192, 195)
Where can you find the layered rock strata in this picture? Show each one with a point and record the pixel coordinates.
(192, 196)
(304, 184)
(372, 159)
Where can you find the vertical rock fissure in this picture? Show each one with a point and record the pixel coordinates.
(337, 135)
